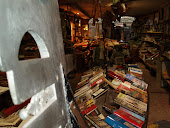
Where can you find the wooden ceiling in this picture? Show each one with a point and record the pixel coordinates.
(85, 8)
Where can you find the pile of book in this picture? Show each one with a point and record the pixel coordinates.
(130, 95)
(9, 117)
(132, 98)
(91, 87)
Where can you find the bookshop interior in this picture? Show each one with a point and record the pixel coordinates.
(85, 64)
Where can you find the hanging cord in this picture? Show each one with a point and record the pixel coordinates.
(100, 8)
(105, 61)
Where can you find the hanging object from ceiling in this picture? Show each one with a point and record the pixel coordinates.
(118, 8)
(95, 11)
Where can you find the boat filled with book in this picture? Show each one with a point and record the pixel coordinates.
(127, 106)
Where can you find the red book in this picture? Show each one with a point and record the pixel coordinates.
(122, 87)
(114, 75)
(13, 109)
(128, 117)
(91, 108)
(97, 82)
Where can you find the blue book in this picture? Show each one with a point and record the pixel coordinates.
(129, 77)
(133, 65)
(117, 122)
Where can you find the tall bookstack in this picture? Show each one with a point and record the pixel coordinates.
(129, 105)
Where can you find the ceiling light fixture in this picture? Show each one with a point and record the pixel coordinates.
(78, 13)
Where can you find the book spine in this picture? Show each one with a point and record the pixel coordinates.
(130, 108)
(132, 113)
(89, 109)
(99, 93)
(114, 75)
(129, 77)
(91, 121)
(111, 122)
(135, 71)
(117, 122)
(97, 82)
(127, 117)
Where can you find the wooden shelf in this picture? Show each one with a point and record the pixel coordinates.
(152, 33)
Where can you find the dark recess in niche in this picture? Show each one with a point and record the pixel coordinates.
(28, 48)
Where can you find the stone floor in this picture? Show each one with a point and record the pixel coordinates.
(159, 108)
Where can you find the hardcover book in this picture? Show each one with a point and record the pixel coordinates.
(135, 70)
(99, 81)
(131, 103)
(86, 104)
(120, 73)
(132, 113)
(97, 122)
(90, 109)
(131, 92)
(82, 91)
(117, 122)
(110, 108)
(136, 82)
(139, 76)
(82, 83)
(140, 84)
(99, 92)
(96, 118)
(129, 76)
(116, 76)
(128, 117)
(96, 77)
(134, 88)
(133, 65)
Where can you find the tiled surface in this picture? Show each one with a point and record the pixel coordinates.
(159, 108)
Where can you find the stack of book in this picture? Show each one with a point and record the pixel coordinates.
(136, 72)
(91, 86)
(131, 97)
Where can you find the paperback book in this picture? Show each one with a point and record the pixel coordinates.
(96, 118)
(116, 76)
(131, 92)
(128, 117)
(131, 103)
(117, 122)
(100, 92)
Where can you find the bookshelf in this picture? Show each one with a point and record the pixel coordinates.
(154, 31)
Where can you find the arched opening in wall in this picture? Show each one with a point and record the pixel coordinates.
(32, 47)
